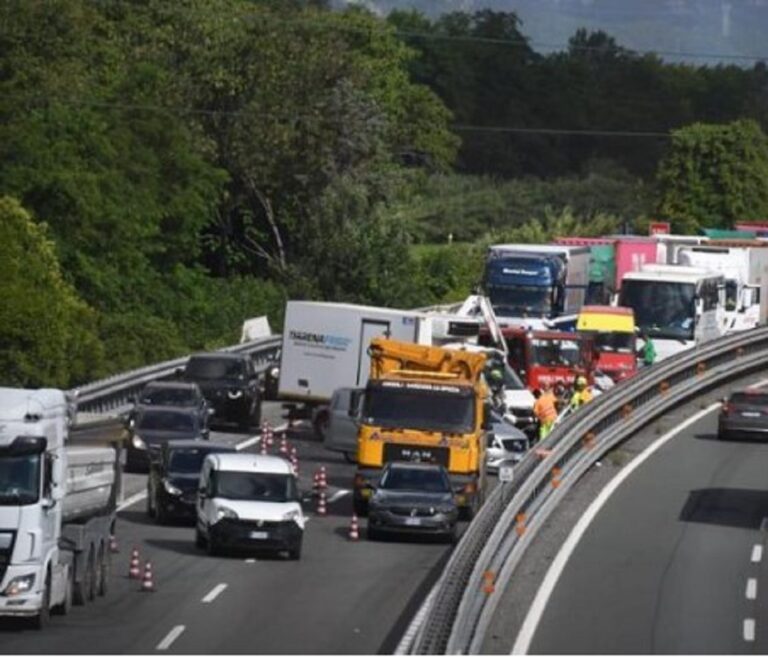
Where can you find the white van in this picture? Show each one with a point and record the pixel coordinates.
(249, 501)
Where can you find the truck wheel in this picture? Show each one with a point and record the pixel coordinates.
(84, 589)
(104, 570)
(43, 619)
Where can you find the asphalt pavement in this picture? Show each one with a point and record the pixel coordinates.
(342, 597)
(673, 563)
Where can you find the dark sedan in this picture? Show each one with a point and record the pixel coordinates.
(173, 393)
(744, 414)
(174, 477)
(155, 425)
(413, 498)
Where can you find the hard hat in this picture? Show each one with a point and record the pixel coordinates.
(581, 382)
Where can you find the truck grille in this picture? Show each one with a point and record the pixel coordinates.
(416, 453)
(6, 550)
(413, 512)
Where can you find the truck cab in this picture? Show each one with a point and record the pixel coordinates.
(614, 339)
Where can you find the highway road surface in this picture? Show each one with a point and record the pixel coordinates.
(342, 597)
(675, 561)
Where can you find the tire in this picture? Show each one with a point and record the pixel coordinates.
(150, 504)
(199, 539)
(244, 423)
(350, 457)
(320, 426)
(43, 619)
(256, 414)
(105, 568)
(66, 605)
(294, 554)
(373, 534)
(212, 548)
(84, 589)
(161, 516)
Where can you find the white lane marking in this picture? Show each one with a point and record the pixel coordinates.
(251, 560)
(214, 593)
(338, 495)
(764, 525)
(170, 638)
(757, 553)
(248, 443)
(132, 500)
(749, 629)
(751, 591)
(536, 611)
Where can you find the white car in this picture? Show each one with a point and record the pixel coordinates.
(249, 501)
(505, 443)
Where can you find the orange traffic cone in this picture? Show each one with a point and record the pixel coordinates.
(113, 544)
(284, 445)
(323, 481)
(134, 572)
(147, 583)
(270, 438)
(321, 510)
(263, 446)
(354, 529)
(316, 483)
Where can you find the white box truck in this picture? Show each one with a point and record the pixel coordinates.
(59, 488)
(325, 347)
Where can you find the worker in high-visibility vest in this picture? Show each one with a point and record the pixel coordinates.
(545, 410)
(582, 394)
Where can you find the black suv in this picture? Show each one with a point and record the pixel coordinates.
(229, 383)
(174, 476)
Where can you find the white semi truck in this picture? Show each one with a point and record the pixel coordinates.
(745, 269)
(59, 488)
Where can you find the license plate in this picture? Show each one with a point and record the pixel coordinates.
(259, 535)
(750, 414)
(413, 521)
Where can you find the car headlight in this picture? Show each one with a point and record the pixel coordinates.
(294, 515)
(225, 512)
(234, 394)
(170, 488)
(138, 443)
(274, 372)
(19, 585)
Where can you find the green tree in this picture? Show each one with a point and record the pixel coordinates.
(47, 334)
(714, 175)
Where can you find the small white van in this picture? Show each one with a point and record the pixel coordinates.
(249, 501)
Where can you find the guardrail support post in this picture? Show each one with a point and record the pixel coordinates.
(700, 369)
(664, 387)
(556, 472)
(520, 524)
(626, 411)
(589, 440)
(488, 582)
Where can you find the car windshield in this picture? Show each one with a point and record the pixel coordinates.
(432, 480)
(214, 368)
(749, 398)
(255, 486)
(623, 343)
(19, 479)
(520, 300)
(556, 352)
(451, 410)
(166, 421)
(663, 309)
(188, 460)
(168, 397)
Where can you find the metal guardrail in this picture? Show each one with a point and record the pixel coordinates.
(119, 390)
(467, 593)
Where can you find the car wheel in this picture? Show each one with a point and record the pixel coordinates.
(373, 533)
(212, 547)
(294, 554)
(161, 515)
(256, 415)
(150, 504)
(350, 457)
(199, 539)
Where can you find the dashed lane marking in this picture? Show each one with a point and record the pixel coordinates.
(170, 637)
(338, 495)
(749, 629)
(751, 591)
(214, 593)
(757, 553)
(132, 500)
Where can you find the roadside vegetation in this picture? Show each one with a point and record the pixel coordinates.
(168, 169)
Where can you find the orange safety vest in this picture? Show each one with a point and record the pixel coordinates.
(544, 408)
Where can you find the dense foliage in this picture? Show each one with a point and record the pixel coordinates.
(180, 166)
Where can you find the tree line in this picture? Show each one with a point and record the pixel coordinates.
(171, 168)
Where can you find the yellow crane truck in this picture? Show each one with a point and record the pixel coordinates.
(425, 404)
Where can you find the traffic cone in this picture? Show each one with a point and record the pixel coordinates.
(316, 483)
(323, 481)
(284, 445)
(147, 583)
(354, 529)
(263, 446)
(270, 437)
(113, 548)
(321, 510)
(295, 460)
(134, 571)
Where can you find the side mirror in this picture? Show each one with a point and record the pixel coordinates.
(355, 399)
(48, 503)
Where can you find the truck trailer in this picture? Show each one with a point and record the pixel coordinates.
(59, 488)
